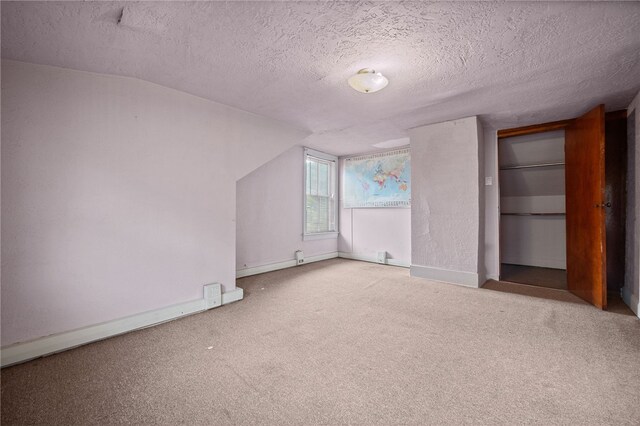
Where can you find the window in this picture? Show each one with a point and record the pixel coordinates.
(320, 204)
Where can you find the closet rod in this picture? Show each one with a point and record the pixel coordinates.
(533, 214)
(529, 166)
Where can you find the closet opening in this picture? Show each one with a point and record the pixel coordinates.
(532, 209)
(563, 205)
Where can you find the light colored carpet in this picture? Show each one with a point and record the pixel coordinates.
(340, 342)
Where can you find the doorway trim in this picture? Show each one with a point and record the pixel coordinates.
(509, 133)
(535, 128)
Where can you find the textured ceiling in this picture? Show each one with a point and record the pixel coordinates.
(510, 63)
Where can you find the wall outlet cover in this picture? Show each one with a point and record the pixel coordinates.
(212, 295)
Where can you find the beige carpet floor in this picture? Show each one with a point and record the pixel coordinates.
(339, 342)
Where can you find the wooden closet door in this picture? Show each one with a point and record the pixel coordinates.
(585, 204)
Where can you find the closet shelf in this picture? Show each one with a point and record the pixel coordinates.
(533, 214)
(531, 166)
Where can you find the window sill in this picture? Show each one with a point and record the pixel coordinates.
(320, 236)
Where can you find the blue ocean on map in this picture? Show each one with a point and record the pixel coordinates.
(378, 180)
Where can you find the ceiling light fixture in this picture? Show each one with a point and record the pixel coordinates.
(368, 81)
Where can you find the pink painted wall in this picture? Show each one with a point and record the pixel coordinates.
(270, 214)
(364, 232)
(118, 196)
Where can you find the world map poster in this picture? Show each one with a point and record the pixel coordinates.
(378, 180)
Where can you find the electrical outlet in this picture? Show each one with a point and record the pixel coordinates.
(212, 295)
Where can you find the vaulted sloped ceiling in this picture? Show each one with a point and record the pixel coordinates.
(511, 63)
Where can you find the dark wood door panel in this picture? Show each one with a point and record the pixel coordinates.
(585, 207)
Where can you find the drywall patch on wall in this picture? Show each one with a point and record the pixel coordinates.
(445, 211)
(118, 196)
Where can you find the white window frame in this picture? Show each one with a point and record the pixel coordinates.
(306, 236)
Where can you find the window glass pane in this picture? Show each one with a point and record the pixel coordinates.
(323, 179)
(307, 184)
(313, 178)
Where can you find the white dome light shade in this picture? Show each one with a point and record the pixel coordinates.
(368, 81)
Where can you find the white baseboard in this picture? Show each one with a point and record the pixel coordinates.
(241, 273)
(372, 258)
(631, 300)
(232, 296)
(21, 352)
(467, 279)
